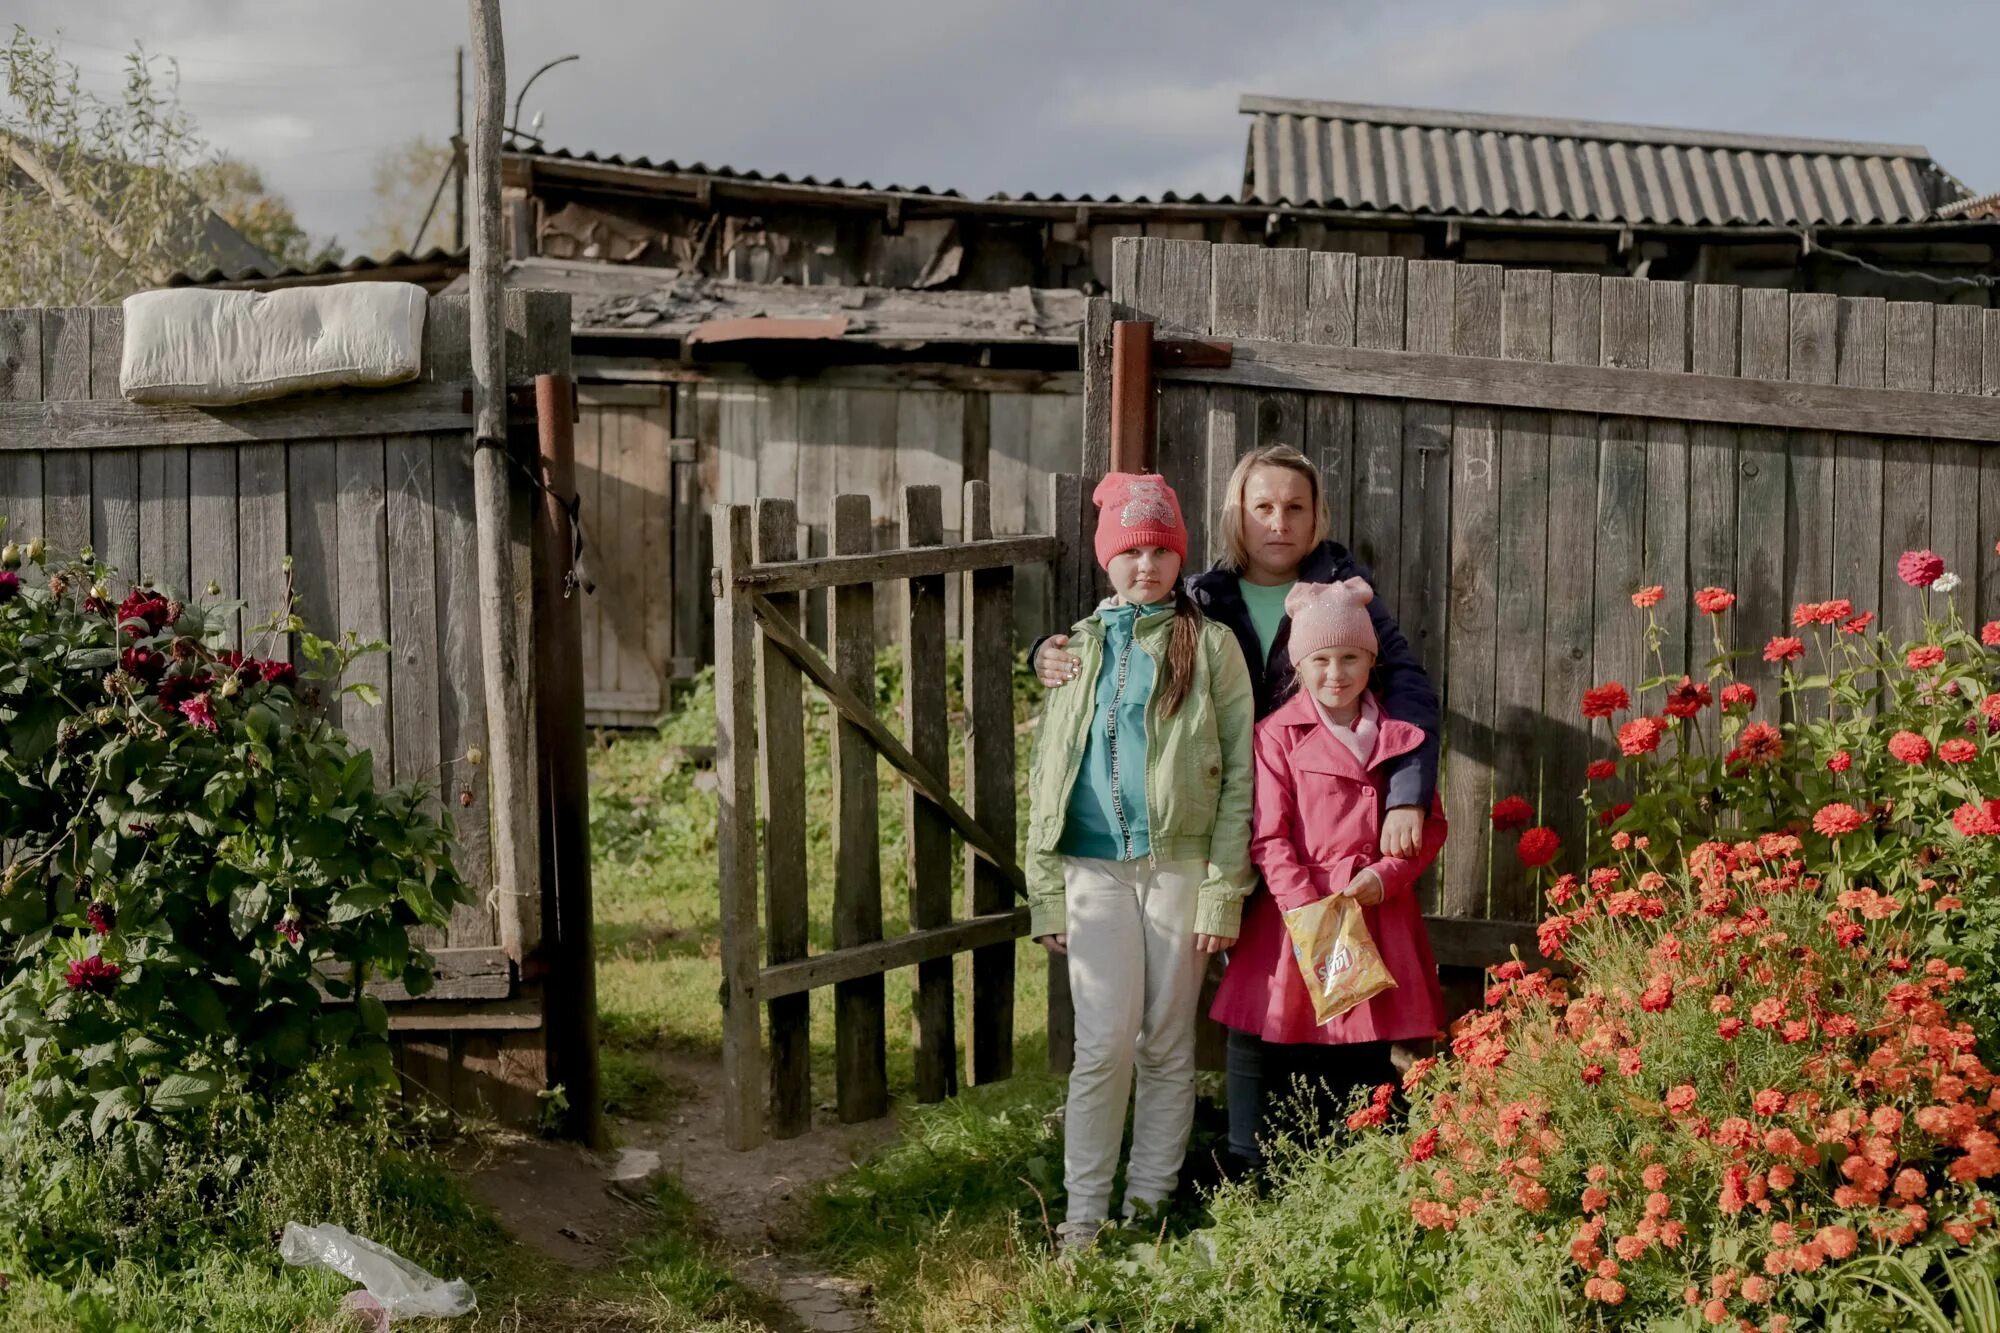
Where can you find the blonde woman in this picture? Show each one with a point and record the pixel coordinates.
(1274, 528)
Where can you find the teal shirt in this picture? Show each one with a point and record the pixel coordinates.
(1267, 611)
(1106, 817)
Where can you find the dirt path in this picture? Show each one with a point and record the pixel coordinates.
(557, 1198)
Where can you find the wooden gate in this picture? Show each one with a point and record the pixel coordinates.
(763, 660)
(1516, 452)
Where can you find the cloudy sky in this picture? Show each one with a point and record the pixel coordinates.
(1022, 95)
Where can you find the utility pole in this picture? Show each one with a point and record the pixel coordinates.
(458, 160)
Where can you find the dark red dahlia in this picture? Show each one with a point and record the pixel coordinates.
(10, 586)
(144, 612)
(103, 917)
(93, 974)
(276, 672)
(144, 663)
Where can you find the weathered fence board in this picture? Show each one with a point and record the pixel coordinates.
(988, 663)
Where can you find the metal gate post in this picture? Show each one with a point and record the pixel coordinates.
(1133, 420)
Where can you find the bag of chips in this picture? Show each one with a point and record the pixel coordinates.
(1339, 961)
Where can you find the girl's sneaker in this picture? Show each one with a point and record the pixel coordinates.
(1074, 1236)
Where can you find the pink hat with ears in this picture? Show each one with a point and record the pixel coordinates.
(1330, 615)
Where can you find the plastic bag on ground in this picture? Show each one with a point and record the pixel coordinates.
(403, 1290)
(1336, 955)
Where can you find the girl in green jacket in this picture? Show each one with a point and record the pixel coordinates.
(1138, 848)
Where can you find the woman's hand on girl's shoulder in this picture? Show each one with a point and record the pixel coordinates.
(1053, 666)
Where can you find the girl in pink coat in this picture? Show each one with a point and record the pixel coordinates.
(1319, 797)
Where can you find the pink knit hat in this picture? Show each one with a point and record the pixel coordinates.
(1330, 615)
(1135, 509)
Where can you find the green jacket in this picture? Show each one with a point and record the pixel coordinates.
(1198, 773)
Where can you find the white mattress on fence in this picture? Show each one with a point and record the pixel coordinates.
(217, 348)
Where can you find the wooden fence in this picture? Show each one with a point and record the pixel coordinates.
(1515, 452)
(369, 496)
(763, 660)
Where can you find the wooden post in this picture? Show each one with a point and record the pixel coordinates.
(782, 766)
(515, 874)
(860, 1064)
(736, 833)
(569, 986)
(988, 610)
(929, 832)
(1072, 588)
(1132, 399)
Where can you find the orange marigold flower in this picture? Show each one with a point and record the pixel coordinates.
(1923, 658)
(1595, 1197)
(1781, 1177)
(1838, 1242)
(1630, 1062)
(1641, 735)
(1512, 812)
(1686, 698)
(1910, 1184)
(1919, 569)
(1728, 1028)
(1600, 769)
(1680, 1100)
(1757, 1289)
(1768, 1102)
(1609, 1290)
(1606, 699)
(1592, 1074)
(1629, 1248)
(1784, 648)
(1768, 1012)
(1909, 747)
(1538, 847)
(1958, 750)
(1649, 597)
(1436, 1216)
(1713, 601)
(1837, 819)
(1839, 762)
(1715, 1312)
(1423, 1147)
(1654, 1176)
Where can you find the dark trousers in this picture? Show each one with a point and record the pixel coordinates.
(1299, 1088)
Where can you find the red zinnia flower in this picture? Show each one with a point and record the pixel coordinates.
(1604, 700)
(93, 974)
(1600, 769)
(1837, 819)
(1989, 634)
(1761, 743)
(1513, 812)
(1538, 847)
(1687, 698)
(1909, 747)
(1924, 658)
(1958, 750)
(1738, 695)
(1859, 624)
(1641, 735)
(1714, 601)
(1607, 818)
(1649, 597)
(1784, 648)
(1919, 569)
(1977, 819)
(1839, 762)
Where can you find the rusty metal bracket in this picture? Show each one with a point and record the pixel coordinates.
(1193, 353)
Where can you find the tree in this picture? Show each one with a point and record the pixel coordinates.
(405, 182)
(235, 190)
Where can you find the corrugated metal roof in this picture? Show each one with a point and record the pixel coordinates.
(1349, 155)
(360, 264)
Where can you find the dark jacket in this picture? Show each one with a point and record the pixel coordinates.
(1405, 689)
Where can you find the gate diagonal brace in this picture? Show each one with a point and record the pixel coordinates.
(779, 630)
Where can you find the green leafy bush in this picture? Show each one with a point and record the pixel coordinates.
(200, 873)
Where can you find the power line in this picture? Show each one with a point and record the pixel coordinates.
(1979, 280)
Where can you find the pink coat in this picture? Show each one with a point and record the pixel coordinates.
(1318, 816)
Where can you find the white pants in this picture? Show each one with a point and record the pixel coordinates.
(1135, 979)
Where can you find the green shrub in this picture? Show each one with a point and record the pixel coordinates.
(192, 853)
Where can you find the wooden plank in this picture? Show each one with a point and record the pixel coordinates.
(313, 526)
(652, 483)
(1172, 284)
(1616, 650)
(988, 657)
(1423, 603)
(1567, 636)
(781, 769)
(1094, 354)
(918, 948)
(1988, 606)
(1664, 558)
(598, 646)
(892, 376)
(1068, 508)
(413, 609)
(860, 1040)
(21, 381)
(1862, 328)
(879, 566)
(114, 473)
(1764, 353)
(1329, 422)
(635, 490)
(1954, 464)
(743, 1061)
(1712, 476)
(166, 521)
(1457, 942)
(1520, 573)
(1492, 382)
(736, 445)
(361, 596)
(1809, 531)
(1906, 468)
(928, 831)
(262, 522)
(1232, 413)
(65, 473)
(690, 566)
(82, 423)
(461, 686)
(1378, 430)
(1470, 488)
